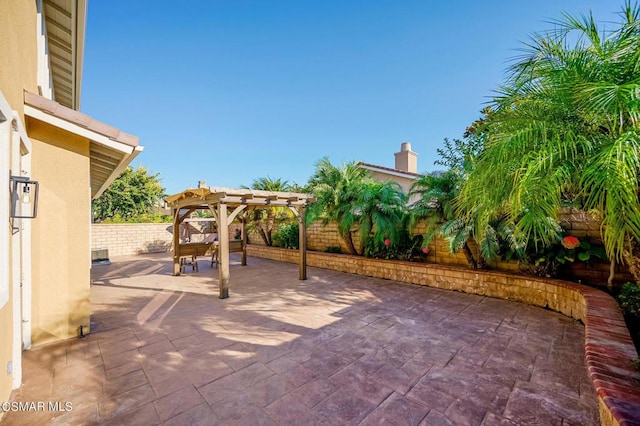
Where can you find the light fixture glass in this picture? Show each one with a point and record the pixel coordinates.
(24, 197)
(26, 194)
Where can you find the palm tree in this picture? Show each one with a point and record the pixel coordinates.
(336, 190)
(565, 129)
(380, 211)
(267, 216)
(435, 208)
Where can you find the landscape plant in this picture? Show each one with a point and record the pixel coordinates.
(564, 130)
(263, 219)
(132, 197)
(336, 190)
(348, 196)
(287, 236)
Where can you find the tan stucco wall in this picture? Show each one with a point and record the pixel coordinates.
(61, 233)
(18, 71)
(382, 177)
(18, 51)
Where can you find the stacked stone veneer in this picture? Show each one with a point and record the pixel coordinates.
(123, 239)
(609, 349)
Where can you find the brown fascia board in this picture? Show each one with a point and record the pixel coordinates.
(388, 169)
(76, 117)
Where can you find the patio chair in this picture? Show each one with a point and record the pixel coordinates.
(189, 259)
(214, 254)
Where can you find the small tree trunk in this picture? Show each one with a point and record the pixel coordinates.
(262, 234)
(350, 246)
(612, 271)
(269, 223)
(469, 255)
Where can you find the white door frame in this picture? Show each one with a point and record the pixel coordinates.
(15, 159)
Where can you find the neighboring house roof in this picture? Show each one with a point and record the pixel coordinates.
(111, 150)
(65, 22)
(389, 170)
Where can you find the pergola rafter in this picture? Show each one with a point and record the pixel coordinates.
(219, 201)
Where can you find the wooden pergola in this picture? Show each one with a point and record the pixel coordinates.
(226, 204)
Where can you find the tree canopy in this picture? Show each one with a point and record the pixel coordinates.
(564, 131)
(133, 194)
(348, 196)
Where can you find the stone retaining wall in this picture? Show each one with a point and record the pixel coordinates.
(609, 350)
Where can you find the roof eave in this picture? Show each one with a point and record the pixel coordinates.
(80, 33)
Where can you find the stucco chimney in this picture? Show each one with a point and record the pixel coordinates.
(406, 160)
(202, 184)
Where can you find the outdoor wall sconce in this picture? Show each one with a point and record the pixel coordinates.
(24, 197)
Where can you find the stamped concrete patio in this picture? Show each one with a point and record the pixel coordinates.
(335, 349)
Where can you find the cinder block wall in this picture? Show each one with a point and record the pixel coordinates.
(131, 238)
(125, 239)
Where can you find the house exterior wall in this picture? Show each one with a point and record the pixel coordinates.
(61, 233)
(18, 51)
(405, 183)
(18, 65)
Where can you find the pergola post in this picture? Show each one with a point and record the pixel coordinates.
(243, 222)
(302, 236)
(177, 220)
(176, 242)
(223, 250)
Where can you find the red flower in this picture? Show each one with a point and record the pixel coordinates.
(387, 242)
(570, 242)
(425, 250)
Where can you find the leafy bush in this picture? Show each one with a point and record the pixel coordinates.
(407, 248)
(551, 260)
(629, 299)
(287, 236)
(141, 218)
(333, 249)
(133, 195)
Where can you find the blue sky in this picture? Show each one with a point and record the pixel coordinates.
(230, 91)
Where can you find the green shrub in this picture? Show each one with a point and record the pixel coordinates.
(629, 299)
(287, 236)
(142, 218)
(333, 249)
(552, 261)
(407, 248)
